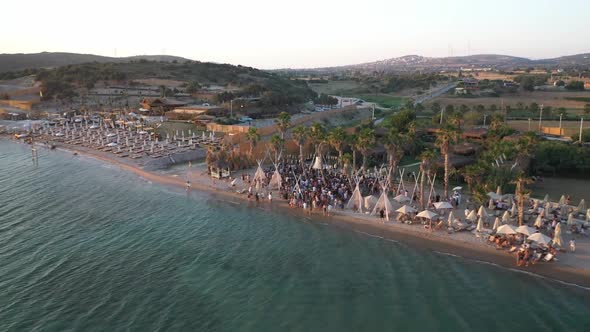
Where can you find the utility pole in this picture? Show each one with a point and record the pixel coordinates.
(581, 128)
(529, 124)
(484, 119)
(540, 117)
(442, 112)
(560, 116)
(231, 108)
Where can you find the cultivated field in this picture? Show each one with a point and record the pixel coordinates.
(547, 98)
(336, 87)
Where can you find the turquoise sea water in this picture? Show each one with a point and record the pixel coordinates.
(88, 247)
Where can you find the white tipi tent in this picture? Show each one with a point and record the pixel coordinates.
(276, 180)
(383, 203)
(356, 201)
(259, 176)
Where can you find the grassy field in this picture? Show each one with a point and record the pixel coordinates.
(384, 100)
(569, 100)
(171, 128)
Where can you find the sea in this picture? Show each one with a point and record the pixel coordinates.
(86, 246)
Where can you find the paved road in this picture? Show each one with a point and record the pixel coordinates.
(426, 97)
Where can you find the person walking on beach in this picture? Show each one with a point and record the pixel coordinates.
(270, 197)
(257, 197)
(382, 214)
(188, 185)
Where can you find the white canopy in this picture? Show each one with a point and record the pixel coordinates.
(370, 202)
(539, 221)
(276, 180)
(471, 216)
(401, 198)
(482, 212)
(442, 205)
(491, 204)
(546, 198)
(506, 229)
(499, 191)
(513, 211)
(506, 217)
(539, 238)
(406, 209)
(259, 177)
(582, 206)
(570, 219)
(451, 218)
(318, 163)
(479, 227)
(526, 230)
(562, 200)
(427, 214)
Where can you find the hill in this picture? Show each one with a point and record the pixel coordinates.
(420, 63)
(21, 61)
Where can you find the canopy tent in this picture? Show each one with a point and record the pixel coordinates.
(491, 204)
(546, 198)
(539, 221)
(499, 191)
(259, 177)
(401, 199)
(472, 216)
(494, 196)
(570, 219)
(356, 201)
(370, 202)
(318, 163)
(513, 211)
(427, 214)
(497, 223)
(506, 229)
(406, 209)
(442, 205)
(539, 238)
(451, 218)
(526, 230)
(479, 227)
(557, 240)
(383, 203)
(562, 200)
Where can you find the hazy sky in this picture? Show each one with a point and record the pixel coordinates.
(299, 33)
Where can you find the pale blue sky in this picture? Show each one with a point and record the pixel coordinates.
(302, 33)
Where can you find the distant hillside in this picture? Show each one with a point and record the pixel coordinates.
(21, 61)
(417, 62)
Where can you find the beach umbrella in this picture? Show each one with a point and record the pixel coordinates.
(582, 206)
(535, 205)
(570, 219)
(513, 210)
(472, 216)
(401, 198)
(539, 238)
(497, 223)
(557, 240)
(479, 227)
(482, 212)
(427, 214)
(442, 205)
(499, 191)
(406, 209)
(539, 221)
(451, 218)
(526, 230)
(491, 204)
(457, 188)
(546, 199)
(506, 217)
(506, 229)
(562, 200)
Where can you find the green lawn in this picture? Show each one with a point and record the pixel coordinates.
(582, 99)
(384, 100)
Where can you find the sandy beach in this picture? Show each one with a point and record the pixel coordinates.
(571, 268)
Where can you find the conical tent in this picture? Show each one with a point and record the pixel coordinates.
(513, 211)
(383, 203)
(499, 191)
(318, 163)
(562, 200)
(557, 240)
(546, 199)
(539, 221)
(506, 217)
(582, 206)
(497, 223)
(276, 181)
(479, 227)
(451, 218)
(491, 204)
(482, 212)
(370, 202)
(259, 177)
(356, 200)
(570, 219)
(472, 216)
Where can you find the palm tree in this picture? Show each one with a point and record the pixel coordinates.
(521, 192)
(276, 145)
(393, 143)
(318, 135)
(253, 137)
(283, 122)
(353, 143)
(365, 142)
(337, 139)
(300, 134)
(444, 137)
(426, 163)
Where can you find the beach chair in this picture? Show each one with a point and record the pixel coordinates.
(548, 257)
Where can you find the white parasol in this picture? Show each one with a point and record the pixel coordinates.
(497, 223)
(506, 229)
(427, 214)
(442, 205)
(526, 230)
(539, 238)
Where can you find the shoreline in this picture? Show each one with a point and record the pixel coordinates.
(407, 234)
